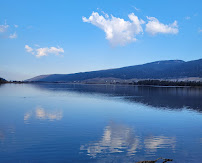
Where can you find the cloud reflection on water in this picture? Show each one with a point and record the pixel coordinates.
(43, 114)
(154, 142)
(119, 138)
(116, 138)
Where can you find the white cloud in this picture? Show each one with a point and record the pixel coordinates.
(137, 9)
(13, 36)
(55, 50)
(105, 14)
(3, 28)
(187, 17)
(29, 49)
(154, 27)
(16, 26)
(200, 30)
(36, 45)
(6, 31)
(118, 31)
(44, 51)
(196, 14)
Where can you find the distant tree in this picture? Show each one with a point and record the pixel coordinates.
(168, 83)
(2, 80)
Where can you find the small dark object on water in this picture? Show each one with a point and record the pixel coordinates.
(165, 160)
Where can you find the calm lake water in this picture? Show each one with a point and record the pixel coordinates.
(99, 123)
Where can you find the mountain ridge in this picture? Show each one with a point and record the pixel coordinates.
(166, 69)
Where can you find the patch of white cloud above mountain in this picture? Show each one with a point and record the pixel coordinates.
(6, 31)
(118, 31)
(154, 27)
(13, 36)
(29, 49)
(3, 28)
(39, 52)
(121, 32)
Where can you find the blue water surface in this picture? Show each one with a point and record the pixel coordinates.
(99, 123)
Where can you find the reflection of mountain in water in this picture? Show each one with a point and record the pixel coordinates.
(120, 138)
(161, 97)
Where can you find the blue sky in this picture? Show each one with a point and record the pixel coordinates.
(67, 36)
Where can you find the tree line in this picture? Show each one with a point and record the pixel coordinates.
(168, 83)
(2, 80)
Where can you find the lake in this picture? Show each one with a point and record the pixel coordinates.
(99, 123)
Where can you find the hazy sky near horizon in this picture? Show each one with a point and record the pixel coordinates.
(67, 36)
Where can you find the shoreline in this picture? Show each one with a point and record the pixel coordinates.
(107, 84)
